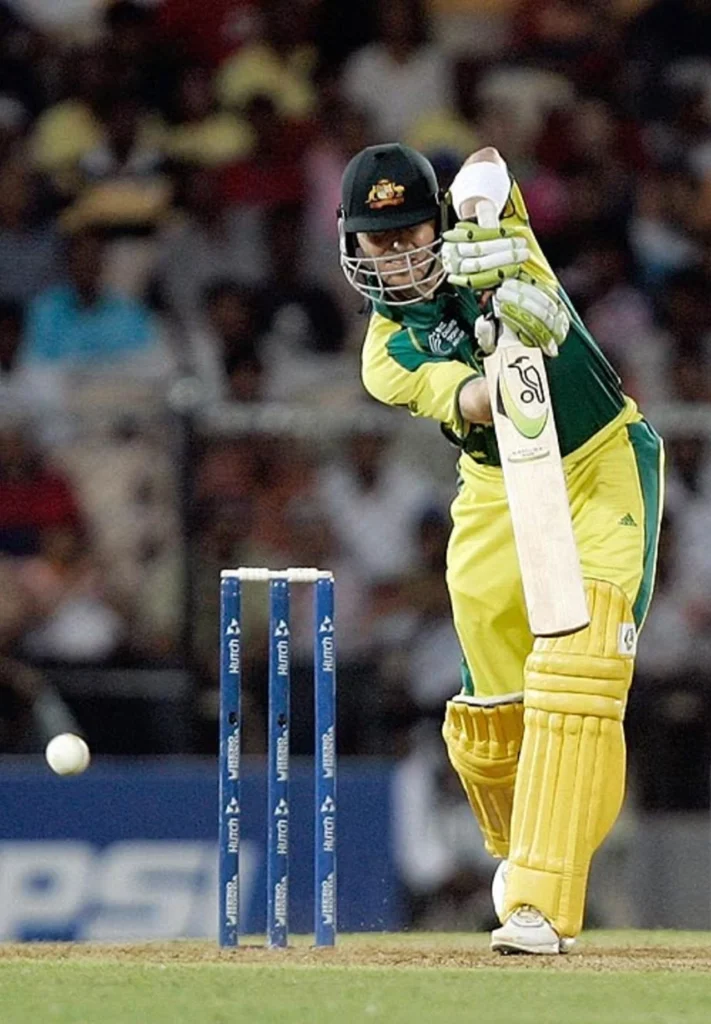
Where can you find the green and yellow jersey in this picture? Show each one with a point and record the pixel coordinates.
(420, 356)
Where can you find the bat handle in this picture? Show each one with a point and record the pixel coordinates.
(486, 213)
(487, 216)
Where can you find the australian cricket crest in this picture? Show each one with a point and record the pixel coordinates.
(385, 193)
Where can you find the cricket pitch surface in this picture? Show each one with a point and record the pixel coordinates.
(620, 977)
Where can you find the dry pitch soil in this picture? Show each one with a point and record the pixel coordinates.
(416, 952)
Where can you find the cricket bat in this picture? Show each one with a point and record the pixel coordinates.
(535, 483)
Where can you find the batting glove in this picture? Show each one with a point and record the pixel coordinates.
(482, 258)
(534, 313)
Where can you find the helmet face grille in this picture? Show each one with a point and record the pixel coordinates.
(391, 187)
(419, 272)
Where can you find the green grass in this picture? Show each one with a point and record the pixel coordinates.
(620, 978)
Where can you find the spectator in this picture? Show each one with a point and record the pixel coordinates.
(227, 354)
(685, 564)
(304, 324)
(342, 29)
(669, 647)
(243, 226)
(209, 241)
(437, 847)
(227, 471)
(140, 61)
(411, 635)
(34, 495)
(601, 282)
(433, 659)
(309, 540)
(447, 136)
(76, 617)
(591, 131)
(278, 484)
(220, 536)
(576, 38)
(120, 181)
(402, 76)
(20, 52)
(123, 463)
(373, 501)
(689, 477)
(273, 172)
(683, 126)
(14, 123)
(11, 317)
(342, 131)
(28, 246)
(219, 533)
(279, 65)
(663, 32)
(31, 710)
(80, 325)
(70, 128)
(685, 317)
(211, 32)
(665, 209)
(126, 150)
(14, 401)
(198, 132)
(669, 717)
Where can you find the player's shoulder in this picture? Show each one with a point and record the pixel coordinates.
(514, 215)
(382, 322)
(381, 332)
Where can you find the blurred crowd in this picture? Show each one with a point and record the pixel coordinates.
(169, 173)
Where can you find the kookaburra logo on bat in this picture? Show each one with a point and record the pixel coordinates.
(521, 396)
(532, 385)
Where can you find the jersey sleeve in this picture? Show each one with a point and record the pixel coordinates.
(515, 215)
(397, 370)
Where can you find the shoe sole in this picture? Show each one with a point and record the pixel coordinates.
(508, 948)
(512, 948)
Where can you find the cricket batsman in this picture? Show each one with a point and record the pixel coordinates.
(536, 733)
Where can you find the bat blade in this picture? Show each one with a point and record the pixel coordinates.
(536, 489)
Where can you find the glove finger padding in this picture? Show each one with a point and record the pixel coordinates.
(469, 231)
(484, 280)
(487, 261)
(535, 314)
(481, 258)
(496, 246)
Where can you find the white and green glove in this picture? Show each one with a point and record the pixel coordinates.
(535, 314)
(482, 258)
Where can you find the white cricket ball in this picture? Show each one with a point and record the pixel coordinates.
(67, 754)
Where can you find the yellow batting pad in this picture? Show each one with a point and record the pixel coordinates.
(572, 767)
(483, 738)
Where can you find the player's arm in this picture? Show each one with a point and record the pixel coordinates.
(508, 257)
(396, 370)
(474, 402)
(513, 215)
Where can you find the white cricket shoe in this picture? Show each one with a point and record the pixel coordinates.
(526, 930)
(498, 889)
